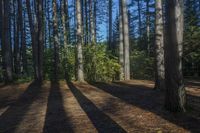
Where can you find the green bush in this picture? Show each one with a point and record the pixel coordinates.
(142, 66)
(99, 65)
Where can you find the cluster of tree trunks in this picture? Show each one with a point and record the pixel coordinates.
(168, 54)
(169, 75)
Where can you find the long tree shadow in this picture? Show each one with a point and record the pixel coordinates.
(148, 99)
(12, 117)
(102, 122)
(56, 120)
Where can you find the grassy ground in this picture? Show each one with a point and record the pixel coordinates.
(131, 106)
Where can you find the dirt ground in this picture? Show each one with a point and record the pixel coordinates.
(119, 107)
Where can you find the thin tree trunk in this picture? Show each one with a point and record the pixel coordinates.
(49, 25)
(64, 12)
(34, 32)
(18, 40)
(40, 38)
(126, 41)
(175, 90)
(139, 17)
(92, 30)
(121, 44)
(64, 6)
(148, 27)
(23, 47)
(6, 45)
(159, 47)
(80, 72)
(56, 41)
(86, 22)
(110, 2)
(95, 20)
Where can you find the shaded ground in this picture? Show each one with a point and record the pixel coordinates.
(119, 107)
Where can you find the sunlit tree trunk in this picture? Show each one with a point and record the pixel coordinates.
(80, 73)
(126, 40)
(175, 90)
(121, 44)
(159, 47)
(92, 28)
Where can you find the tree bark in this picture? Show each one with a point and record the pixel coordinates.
(126, 41)
(6, 45)
(37, 39)
(159, 48)
(18, 40)
(56, 41)
(121, 44)
(23, 48)
(40, 38)
(175, 90)
(148, 27)
(92, 28)
(139, 18)
(80, 73)
(110, 3)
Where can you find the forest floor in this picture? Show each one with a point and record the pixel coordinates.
(131, 106)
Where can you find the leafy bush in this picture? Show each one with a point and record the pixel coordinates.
(142, 66)
(99, 65)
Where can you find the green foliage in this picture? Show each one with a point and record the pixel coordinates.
(70, 64)
(99, 65)
(142, 66)
(48, 57)
(24, 79)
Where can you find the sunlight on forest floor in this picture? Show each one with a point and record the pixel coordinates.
(129, 106)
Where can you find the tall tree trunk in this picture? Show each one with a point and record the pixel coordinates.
(40, 38)
(6, 45)
(126, 41)
(56, 41)
(148, 27)
(18, 40)
(121, 44)
(49, 25)
(1, 31)
(95, 20)
(159, 47)
(175, 90)
(92, 28)
(1, 68)
(34, 38)
(110, 3)
(86, 21)
(20, 31)
(23, 47)
(65, 21)
(80, 73)
(139, 18)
